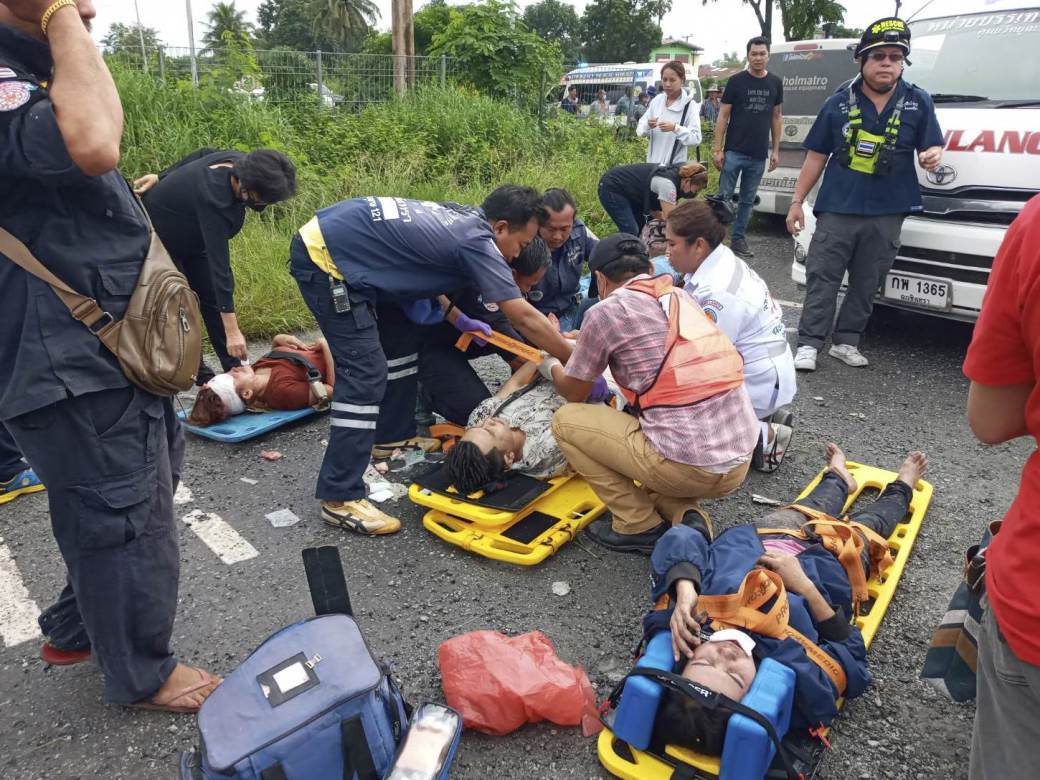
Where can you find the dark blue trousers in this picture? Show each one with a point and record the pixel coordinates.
(11, 461)
(361, 370)
(111, 461)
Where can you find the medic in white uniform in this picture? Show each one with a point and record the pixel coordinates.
(737, 299)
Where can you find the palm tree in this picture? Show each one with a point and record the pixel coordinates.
(225, 18)
(345, 21)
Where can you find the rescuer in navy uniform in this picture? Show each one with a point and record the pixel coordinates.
(109, 452)
(359, 258)
(867, 135)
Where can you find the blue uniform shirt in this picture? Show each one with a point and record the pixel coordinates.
(845, 191)
(89, 231)
(393, 249)
(719, 567)
(560, 285)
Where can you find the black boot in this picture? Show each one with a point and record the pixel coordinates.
(602, 532)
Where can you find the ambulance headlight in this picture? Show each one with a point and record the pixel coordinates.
(799, 253)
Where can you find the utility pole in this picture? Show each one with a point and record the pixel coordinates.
(191, 45)
(140, 38)
(402, 36)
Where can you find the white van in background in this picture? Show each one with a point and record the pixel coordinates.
(811, 72)
(613, 79)
(983, 72)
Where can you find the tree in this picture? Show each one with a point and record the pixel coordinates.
(620, 30)
(346, 21)
(802, 17)
(432, 18)
(225, 18)
(556, 21)
(731, 60)
(122, 38)
(763, 13)
(496, 52)
(290, 24)
(838, 30)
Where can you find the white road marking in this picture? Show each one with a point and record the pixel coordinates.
(220, 537)
(789, 304)
(18, 612)
(183, 494)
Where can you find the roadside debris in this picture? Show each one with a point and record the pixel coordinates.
(283, 518)
(271, 455)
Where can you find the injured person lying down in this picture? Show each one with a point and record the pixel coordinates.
(693, 578)
(512, 430)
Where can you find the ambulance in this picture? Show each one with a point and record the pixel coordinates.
(613, 79)
(977, 59)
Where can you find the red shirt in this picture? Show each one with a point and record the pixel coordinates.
(288, 388)
(1005, 350)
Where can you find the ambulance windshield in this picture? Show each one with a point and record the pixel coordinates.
(978, 58)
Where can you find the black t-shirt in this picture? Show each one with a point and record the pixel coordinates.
(195, 212)
(751, 100)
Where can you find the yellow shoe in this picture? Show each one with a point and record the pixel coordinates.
(359, 516)
(21, 484)
(422, 442)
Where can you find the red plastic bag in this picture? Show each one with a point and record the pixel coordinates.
(499, 683)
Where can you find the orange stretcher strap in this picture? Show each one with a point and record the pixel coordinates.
(448, 433)
(741, 610)
(526, 351)
(845, 539)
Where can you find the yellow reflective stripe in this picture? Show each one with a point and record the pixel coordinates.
(317, 250)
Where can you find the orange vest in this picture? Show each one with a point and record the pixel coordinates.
(699, 362)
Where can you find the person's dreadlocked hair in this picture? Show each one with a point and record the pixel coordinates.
(470, 469)
(683, 722)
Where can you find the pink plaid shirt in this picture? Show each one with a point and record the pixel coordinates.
(627, 332)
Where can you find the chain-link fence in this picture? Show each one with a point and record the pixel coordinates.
(330, 79)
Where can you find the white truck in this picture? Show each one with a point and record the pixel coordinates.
(981, 68)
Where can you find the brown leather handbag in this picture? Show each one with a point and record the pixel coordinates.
(158, 342)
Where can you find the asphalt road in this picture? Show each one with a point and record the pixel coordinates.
(412, 591)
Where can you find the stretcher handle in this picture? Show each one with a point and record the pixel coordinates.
(519, 348)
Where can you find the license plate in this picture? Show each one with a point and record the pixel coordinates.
(926, 291)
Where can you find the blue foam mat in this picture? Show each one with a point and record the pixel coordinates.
(247, 425)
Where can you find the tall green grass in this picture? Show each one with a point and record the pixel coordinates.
(435, 144)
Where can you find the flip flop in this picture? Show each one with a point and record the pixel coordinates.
(169, 703)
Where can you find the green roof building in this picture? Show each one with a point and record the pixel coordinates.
(672, 49)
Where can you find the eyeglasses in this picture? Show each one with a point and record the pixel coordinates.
(881, 56)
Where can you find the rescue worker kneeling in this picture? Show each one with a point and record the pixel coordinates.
(691, 430)
(828, 656)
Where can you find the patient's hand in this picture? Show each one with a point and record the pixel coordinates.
(790, 571)
(685, 628)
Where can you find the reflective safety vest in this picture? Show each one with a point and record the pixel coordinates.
(699, 360)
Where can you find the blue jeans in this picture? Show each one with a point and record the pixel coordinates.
(620, 210)
(750, 171)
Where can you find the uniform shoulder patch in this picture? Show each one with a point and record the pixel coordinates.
(14, 94)
(491, 306)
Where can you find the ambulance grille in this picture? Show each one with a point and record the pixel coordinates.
(980, 205)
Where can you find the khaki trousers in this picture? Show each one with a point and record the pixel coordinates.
(608, 448)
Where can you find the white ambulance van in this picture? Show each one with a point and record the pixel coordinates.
(613, 79)
(979, 62)
(811, 71)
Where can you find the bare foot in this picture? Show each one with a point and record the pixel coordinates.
(914, 467)
(836, 463)
(183, 678)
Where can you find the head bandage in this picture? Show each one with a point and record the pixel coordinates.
(224, 386)
(747, 644)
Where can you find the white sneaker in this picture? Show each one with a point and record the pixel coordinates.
(805, 358)
(849, 355)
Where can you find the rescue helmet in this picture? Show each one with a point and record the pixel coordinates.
(890, 31)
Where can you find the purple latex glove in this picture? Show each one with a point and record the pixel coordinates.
(599, 392)
(467, 324)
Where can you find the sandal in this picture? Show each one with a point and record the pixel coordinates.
(180, 701)
(769, 460)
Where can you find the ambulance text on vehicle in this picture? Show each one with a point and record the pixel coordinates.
(981, 69)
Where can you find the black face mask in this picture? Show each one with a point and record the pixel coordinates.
(257, 207)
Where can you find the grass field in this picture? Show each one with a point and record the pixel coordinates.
(435, 144)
